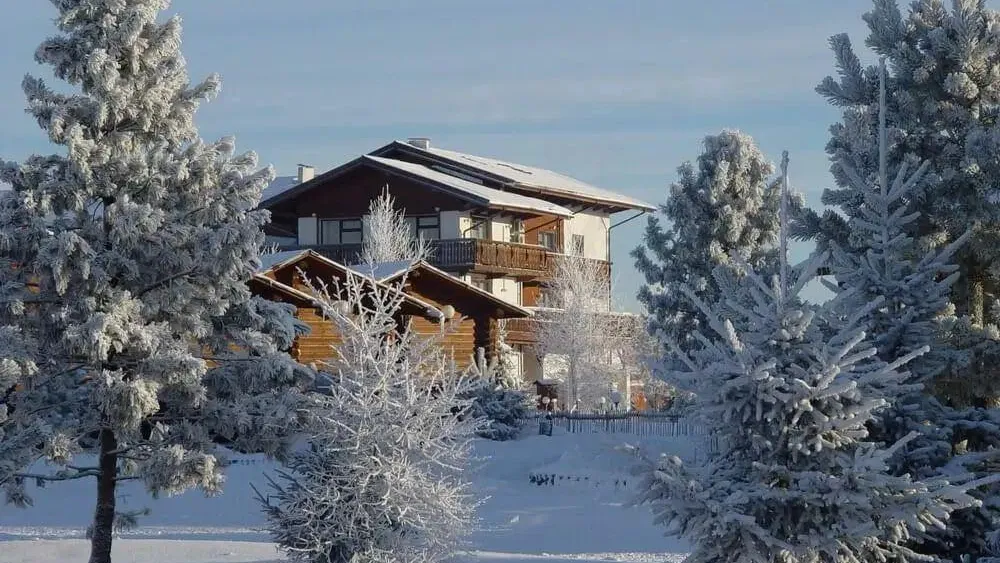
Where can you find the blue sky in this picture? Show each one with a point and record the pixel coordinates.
(615, 93)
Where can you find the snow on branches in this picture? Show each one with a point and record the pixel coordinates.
(130, 346)
(787, 389)
(381, 479)
(388, 236)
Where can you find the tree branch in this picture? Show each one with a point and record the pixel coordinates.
(164, 281)
(39, 477)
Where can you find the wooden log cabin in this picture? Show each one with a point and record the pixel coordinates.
(496, 225)
(430, 297)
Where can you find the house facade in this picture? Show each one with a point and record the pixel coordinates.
(495, 225)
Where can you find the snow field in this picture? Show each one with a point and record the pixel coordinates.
(571, 520)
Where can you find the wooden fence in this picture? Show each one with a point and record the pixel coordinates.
(631, 423)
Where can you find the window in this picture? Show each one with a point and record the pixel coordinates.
(517, 231)
(426, 228)
(329, 232)
(482, 282)
(577, 245)
(547, 239)
(429, 228)
(351, 231)
(479, 228)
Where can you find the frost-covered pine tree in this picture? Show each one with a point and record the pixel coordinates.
(389, 438)
(725, 203)
(788, 395)
(130, 346)
(945, 86)
(883, 261)
(388, 236)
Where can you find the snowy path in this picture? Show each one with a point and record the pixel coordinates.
(580, 517)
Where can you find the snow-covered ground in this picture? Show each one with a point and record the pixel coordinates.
(578, 517)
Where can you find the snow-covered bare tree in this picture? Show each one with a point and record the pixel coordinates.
(787, 389)
(388, 236)
(573, 329)
(944, 88)
(130, 345)
(724, 203)
(381, 480)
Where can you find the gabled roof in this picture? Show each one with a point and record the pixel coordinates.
(384, 270)
(465, 190)
(278, 186)
(286, 289)
(275, 260)
(391, 271)
(488, 196)
(530, 178)
(280, 260)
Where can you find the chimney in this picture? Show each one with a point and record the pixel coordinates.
(306, 173)
(420, 142)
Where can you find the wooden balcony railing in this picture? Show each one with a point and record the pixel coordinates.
(466, 254)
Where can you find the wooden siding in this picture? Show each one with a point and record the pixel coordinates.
(536, 225)
(317, 345)
(458, 340)
(350, 194)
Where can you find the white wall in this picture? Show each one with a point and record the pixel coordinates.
(532, 366)
(500, 229)
(308, 231)
(594, 228)
(507, 289)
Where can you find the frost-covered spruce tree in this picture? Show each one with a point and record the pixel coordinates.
(130, 346)
(501, 408)
(883, 262)
(725, 203)
(796, 479)
(381, 480)
(945, 88)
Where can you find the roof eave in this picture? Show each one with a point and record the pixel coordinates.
(294, 191)
(406, 147)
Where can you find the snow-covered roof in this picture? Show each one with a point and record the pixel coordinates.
(273, 260)
(278, 185)
(530, 177)
(389, 271)
(485, 196)
(383, 271)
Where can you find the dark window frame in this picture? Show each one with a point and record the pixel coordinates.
(544, 235)
(360, 230)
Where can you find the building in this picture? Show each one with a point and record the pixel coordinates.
(430, 298)
(494, 225)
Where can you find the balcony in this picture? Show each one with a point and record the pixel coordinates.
(488, 257)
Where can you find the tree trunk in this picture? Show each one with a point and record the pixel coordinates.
(977, 298)
(573, 386)
(104, 515)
